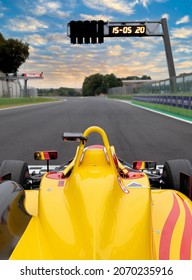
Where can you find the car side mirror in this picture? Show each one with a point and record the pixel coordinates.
(144, 165)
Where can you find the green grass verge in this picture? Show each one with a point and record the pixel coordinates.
(168, 109)
(11, 102)
(123, 97)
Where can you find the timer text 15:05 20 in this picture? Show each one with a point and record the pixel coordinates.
(127, 30)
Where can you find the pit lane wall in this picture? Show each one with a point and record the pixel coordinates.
(9, 88)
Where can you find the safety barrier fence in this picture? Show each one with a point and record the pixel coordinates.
(179, 101)
(180, 84)
(176, 85)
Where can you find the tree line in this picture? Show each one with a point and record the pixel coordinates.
(97, 84)
(93, 85)
(62, 91)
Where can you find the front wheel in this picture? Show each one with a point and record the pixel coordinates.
(18, 169)
(171, 173)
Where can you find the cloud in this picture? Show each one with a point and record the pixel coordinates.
(181, 32)
(44, 8)
(57, 50)
(24, 24)
(39, 10)
(165, 16)
(161, 1)
(2, 9)
(49, 8)
(36, 40)
(184, 19)
(120, 6)
(58, 38)
(185, 65)
(96, 17)
(115, 5)
(147, 43)
(144, 2)
(181, 46)
(183, 50)
(115, 50)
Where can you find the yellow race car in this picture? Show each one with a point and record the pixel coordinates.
(95, 207)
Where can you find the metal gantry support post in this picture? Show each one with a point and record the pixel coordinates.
(25, 88)
(169, 56)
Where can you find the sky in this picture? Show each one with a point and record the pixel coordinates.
(43, 25)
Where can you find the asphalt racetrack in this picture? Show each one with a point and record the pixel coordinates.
(137, 134)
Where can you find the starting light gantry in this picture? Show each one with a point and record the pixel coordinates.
(93, 32)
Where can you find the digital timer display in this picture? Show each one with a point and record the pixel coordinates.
(127, 30)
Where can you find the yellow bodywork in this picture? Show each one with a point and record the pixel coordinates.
(89, 212)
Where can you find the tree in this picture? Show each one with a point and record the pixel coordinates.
(109, 81)
(93, 85)
(13, 53)
(98, 83)
(144, 77)
(2, 39)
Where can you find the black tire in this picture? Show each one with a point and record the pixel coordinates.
(172, 170)
(18, 169)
